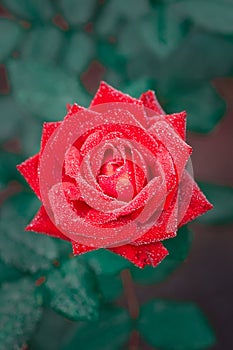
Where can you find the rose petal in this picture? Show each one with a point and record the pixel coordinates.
(48, 130)
(150, 254)
(178, 122)
(29, 170)
(42, 223)
(155, 234)
(72, 162)
(71, 191)
(198, 204)
(165, 222)
(150, 101)
(75, 108)
(79, 249)
(178, 149)
(91, 141)
(80, 230)
(106, 94)
(136, 110)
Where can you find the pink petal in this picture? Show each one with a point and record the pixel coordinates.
(155, 234)
(71, 191)
(48, 130)
(42, 223)
(80, 248)
(72, 162)
(67, 219)
(134, 107)
(178, 149)
(198, 204)
(150, 254)
(72, 110)
(29, 170)
(165, 225)
(150, 101)
(178, 121)
(107, 94)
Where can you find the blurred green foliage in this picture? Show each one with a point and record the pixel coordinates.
(53, 53)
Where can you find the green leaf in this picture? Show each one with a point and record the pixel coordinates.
(73, 291)
(12, 117)
(105, 262)
(19, 313)
(8, 273)
(117, 12)
(222, 199)
(77, 11)
(137, 87)
(51, 331)
(178, 248)
(38, 43)
(8, 162)
(210, 14)
(80, 50)
(162, 31)
(44, 89)
(127, 43)
(111, 331)
(29, 133)
(110, 286)
(27, 251)
(204, 106)
(110, 57)
(202, 57)
(175, 326)
(10, 34)
(30, 9)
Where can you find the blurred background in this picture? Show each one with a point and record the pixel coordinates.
(55, 52)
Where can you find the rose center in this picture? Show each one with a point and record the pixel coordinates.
(121, 179)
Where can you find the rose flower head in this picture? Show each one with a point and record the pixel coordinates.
(115, 176)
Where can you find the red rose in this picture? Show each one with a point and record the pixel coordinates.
(113, 176)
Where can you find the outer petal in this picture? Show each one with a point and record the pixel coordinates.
(29, 170)
(150, 101)
(198, 204)
(72, 110)
(42, 223)
(48, 130)
(150, 254)
(79, 249)
(155, 234)
(178, 121)
(179, 150)
(107, 94)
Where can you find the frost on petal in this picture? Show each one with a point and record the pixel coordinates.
(79, 249)
(155, 234)
(29, 170)
(135, 108)
(107, 94)
(165, 224)
(91, 141)
(48, 130)
(72, 110)
(178, 149)
(72, 162)
(178, 121)
(198, 204)
(42, 223)
(66, 217)
(71, 191)
(150, 254)
(150, 101)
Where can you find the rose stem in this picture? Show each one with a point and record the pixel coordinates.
(133, 305)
